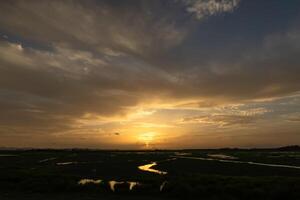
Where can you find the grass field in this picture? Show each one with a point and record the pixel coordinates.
(205, 174)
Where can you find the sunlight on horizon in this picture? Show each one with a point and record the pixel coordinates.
(149, 74)
(147, 138)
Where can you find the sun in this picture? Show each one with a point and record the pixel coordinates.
(147, 138)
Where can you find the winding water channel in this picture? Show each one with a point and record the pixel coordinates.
(148, 168)
(239, 162)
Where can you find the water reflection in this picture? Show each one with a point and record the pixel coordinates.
(66, 163)
(112, 184)
(46, 160)
(182, 154)
(148, 168)
(241, 162)
(7, 155)
(162, 186)
(222, 156)
(118, 185)
(89, 181)
(132, 184)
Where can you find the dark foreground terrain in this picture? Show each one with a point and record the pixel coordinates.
(186, 174)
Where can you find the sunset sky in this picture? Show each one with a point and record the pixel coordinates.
(144, 74)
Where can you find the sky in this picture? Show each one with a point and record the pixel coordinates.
(149, 74)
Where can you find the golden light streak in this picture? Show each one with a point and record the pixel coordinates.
(147, 138)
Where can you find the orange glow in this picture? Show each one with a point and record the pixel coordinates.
(147, 138)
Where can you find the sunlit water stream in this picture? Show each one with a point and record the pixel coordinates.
(112, 183)
(89, 181)
(148, 168)
(239, 162)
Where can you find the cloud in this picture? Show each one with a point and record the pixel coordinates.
(61, 61)
(205, 8)
(221, 120)
(49, 91)
(293, 117)
(228, 116)
(96, 26)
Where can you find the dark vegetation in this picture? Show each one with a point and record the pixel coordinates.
(54, 174)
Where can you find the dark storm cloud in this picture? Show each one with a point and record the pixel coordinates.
(104, 58)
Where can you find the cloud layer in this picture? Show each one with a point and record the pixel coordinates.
(204, 8)
(66, 64)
